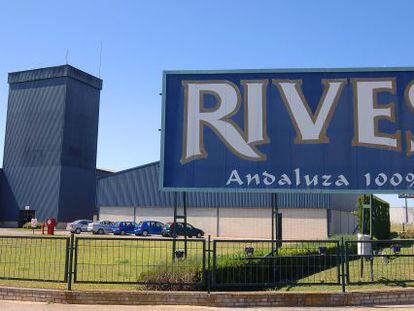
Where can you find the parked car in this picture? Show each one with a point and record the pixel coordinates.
(78, 226)
(168, 230)
(124, 227)
(101, 227)
(147, 227)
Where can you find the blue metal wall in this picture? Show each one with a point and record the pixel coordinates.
(50, 145)
(80, 133)
(139, 187)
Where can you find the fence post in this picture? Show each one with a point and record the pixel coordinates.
(343, 258)
(70, 265)
(208, 265)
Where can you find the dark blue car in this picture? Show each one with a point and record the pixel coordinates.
(147, 227)
(124, 227)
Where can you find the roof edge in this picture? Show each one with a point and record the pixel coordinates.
(54, 72)
(130, 169)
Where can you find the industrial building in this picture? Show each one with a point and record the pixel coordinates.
(49, 170)
(134, 194)
(401, 209)
(50, 145)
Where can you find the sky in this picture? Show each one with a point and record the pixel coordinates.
(140, 39)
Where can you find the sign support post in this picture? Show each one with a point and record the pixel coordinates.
(406, 213)
(370, 217)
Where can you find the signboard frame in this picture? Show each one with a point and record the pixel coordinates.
(266, 190)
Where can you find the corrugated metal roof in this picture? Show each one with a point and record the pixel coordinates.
(139, 187)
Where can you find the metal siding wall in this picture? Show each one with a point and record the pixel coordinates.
(135, 187)
(139, 187)
(303, 200)
(51, 119)
(32, 147)
(78, 177)
(34, 123)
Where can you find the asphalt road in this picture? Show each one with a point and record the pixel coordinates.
(38, 306)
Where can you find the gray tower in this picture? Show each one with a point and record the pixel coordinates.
(49, 165)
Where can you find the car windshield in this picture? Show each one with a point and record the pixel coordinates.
(168, 226)
(117, 224)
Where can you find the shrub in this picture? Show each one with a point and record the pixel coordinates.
(347, 237)
(182, 276)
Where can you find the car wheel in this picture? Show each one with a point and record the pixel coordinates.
(199, 235)
(78, 231)
(190, 236)
(100, 231)
(122, 232)
(145, 233)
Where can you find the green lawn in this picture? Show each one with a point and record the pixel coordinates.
(97, 260)
(33, 258)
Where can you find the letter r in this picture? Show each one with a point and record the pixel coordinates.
(196, 116)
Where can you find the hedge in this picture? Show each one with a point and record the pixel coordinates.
(381, 226)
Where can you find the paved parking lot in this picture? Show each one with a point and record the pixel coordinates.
(28, 232)
(20, 231)
(37, 306)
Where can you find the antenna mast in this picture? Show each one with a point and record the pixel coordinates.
(100, 60)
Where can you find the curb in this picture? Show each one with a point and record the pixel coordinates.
(215, 299)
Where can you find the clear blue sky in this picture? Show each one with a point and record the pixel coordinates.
(142, 38)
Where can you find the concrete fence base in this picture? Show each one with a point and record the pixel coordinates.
(216, 299)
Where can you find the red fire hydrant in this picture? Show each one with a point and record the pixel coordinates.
(51, 224)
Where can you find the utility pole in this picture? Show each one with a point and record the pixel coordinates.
(405, 196)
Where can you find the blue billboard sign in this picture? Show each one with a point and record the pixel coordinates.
(335, 130)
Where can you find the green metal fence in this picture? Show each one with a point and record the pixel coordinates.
(380, 261)
(159, 263)
(265, 263)
(150, 261)
(34, 258)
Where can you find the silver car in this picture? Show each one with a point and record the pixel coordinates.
(78, 226)
(101, 227)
